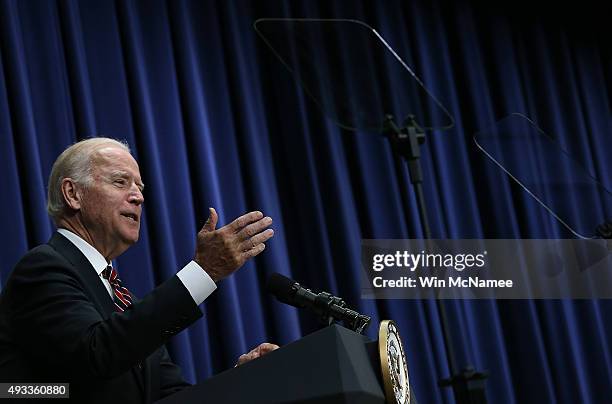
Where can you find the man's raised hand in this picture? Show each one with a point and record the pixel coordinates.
(221, 252)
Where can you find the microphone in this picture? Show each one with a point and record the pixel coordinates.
(325, 305)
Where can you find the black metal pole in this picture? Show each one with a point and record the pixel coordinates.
(468, 385)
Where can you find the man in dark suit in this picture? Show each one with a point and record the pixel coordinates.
(64, 315)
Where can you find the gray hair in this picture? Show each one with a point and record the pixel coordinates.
(75, 163)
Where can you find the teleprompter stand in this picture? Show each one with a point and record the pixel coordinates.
(468, 385)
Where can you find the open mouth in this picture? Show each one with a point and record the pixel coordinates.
(131, 216)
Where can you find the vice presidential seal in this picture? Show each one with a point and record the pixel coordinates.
(393, 364)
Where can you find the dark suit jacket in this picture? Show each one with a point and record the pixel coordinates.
(58, 324)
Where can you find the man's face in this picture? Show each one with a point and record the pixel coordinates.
(112, 204)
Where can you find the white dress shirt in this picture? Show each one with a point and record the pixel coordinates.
(197, 282)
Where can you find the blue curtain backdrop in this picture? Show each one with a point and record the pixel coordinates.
(215, 120)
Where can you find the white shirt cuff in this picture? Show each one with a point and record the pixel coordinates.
(197, 282)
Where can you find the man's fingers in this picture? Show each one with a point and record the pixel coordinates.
(266, 347)
(244, 358)
(253, 251)
(254, 228)
(256, 240)
(244, 220)
(261, 350)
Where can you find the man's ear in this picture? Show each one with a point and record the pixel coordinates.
(72, 193)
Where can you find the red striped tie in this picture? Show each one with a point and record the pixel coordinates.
(121, 296)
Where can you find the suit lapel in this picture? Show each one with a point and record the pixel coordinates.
(91, 280)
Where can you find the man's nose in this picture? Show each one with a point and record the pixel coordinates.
(136, 196)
